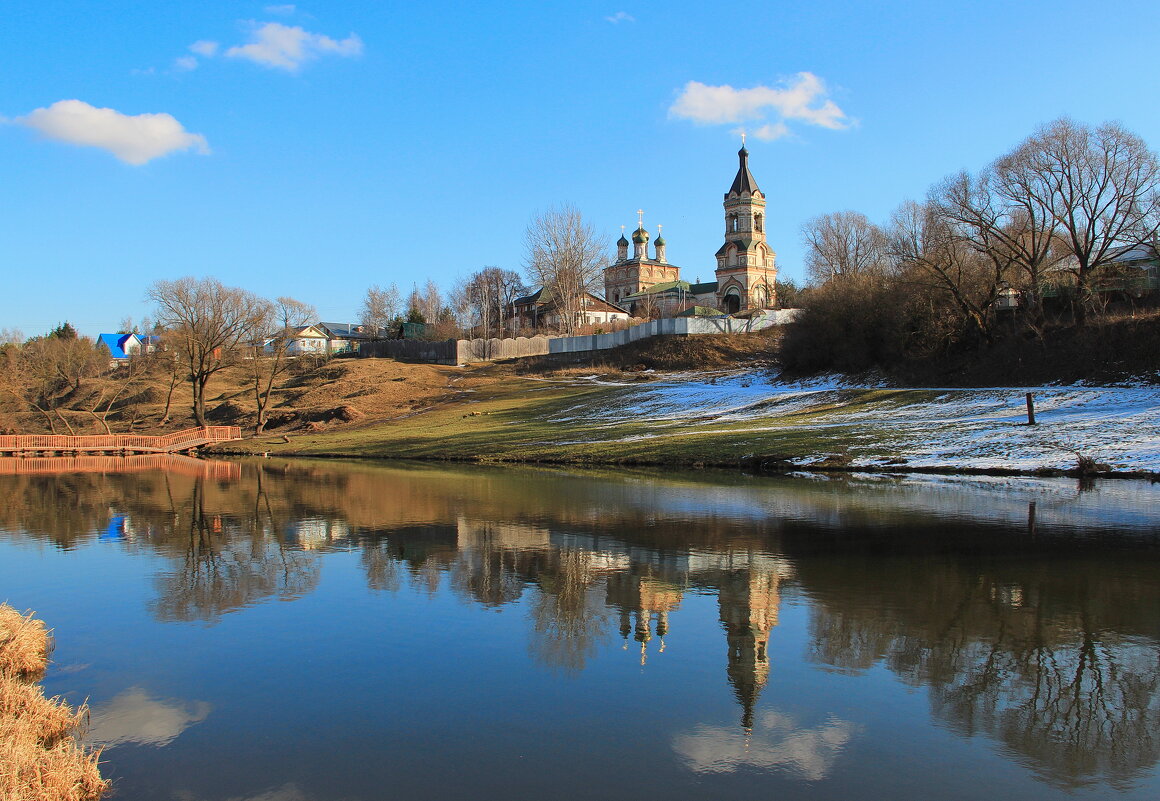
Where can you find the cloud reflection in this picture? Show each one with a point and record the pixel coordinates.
(776, 742)
(134, 716)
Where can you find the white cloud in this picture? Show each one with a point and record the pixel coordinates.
(621, 16)
(289, 47)
(133, 139)
(771, 131)
(185, 63)
(282, 11)
(204, 47)
(803, 98)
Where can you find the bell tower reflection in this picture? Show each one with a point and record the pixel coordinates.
(748, 602)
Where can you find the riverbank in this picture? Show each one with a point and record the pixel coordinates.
(746, 418)
(40, 759)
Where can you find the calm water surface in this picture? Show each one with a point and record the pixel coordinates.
(307, 631)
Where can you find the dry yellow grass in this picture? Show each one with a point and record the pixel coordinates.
(40, 759)
(23, 644)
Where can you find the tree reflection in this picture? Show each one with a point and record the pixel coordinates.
(1058, 660)
(227, 561)
(569, 616)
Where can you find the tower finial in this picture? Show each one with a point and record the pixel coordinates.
(640, 218)
(659, 227)
(743, 138)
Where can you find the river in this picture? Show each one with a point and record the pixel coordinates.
(276, 630)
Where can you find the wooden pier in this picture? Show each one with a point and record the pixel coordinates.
(63, 444)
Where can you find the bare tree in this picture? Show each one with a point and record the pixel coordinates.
(566, 257)
(381, 307)
(489, 294)
(842, 244)
(924, 244)
(273, 337)
(206, 322)
(1002, 216)
(22, 379)
(1101, 187)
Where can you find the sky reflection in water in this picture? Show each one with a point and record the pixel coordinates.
(298, 630)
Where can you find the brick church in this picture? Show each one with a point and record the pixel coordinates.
(746, 267)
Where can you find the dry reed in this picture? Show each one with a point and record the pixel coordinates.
(40, 759)
(24, 644)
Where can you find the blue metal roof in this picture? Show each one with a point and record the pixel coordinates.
(116, 344)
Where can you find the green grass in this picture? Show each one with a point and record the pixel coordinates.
(581, 423)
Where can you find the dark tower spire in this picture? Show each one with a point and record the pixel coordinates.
(744, 182)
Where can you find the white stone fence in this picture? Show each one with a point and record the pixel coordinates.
(477, 350)
(467, 351)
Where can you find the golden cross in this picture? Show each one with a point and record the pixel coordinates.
(640, 216)
(659, 227)
(743, 138)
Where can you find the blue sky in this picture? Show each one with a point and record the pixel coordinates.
(315, 149)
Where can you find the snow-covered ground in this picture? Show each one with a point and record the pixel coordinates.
(981, 428)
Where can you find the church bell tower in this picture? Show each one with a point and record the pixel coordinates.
(746, 267)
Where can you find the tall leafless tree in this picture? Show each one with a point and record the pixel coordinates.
(842, 245)
(926, 247)
(273, 336)
(206, 322)
(489, 294)
(381, 307)
(565, 256)
(1001, 216)
(1101, 187)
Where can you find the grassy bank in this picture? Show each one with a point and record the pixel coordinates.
(745, 419)
(40, 759)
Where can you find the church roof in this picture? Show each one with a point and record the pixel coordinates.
(657, 289)
(703, 288)
(744, 182)
(700, 311)
(541, 295)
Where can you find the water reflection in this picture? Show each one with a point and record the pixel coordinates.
(136, 716)
(1055, 658)
(1029, 611)
(779, 741)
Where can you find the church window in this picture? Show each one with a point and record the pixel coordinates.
(758, 221)
(731, 227)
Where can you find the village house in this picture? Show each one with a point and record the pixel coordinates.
(121, 347)
(310, 340)
(541, 309)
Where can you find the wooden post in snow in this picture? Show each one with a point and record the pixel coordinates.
(1030, 409)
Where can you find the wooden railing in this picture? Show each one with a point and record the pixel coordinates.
(139, 463)
(185, 440)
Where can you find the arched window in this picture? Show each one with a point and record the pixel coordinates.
(758, 222)
(731, 225)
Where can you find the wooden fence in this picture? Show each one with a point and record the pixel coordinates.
(176, 442)
(139, 463)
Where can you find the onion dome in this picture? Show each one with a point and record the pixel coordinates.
(640, 236)
(622, 240)
(660, 243)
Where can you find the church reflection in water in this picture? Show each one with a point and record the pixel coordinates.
(1040, 637)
